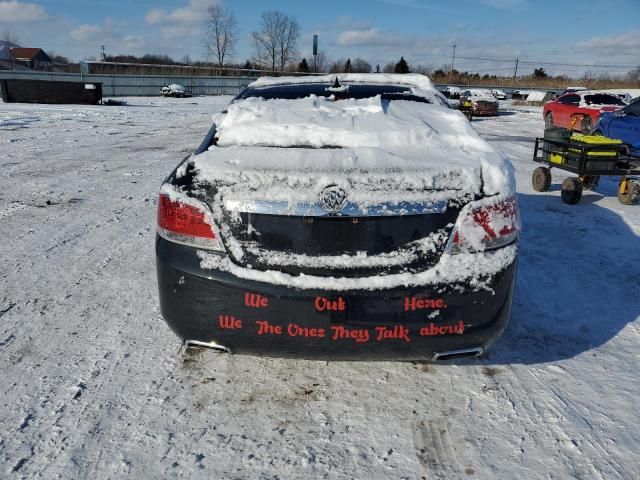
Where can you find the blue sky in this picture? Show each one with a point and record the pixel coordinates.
(575, 32)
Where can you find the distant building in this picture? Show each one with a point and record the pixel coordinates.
(33, 58)
(5, 54)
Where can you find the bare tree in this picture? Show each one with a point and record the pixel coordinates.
(277, 40)
(389, 67)
(360, 66)
(10, 37)
(337, 66)
(322, 61)
(222, 32)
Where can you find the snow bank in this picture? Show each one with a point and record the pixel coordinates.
(536, 96)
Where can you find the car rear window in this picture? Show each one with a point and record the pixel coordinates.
(633, 109)
(292, 92)
(603, 99)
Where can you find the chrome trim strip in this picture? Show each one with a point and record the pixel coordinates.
(212, 345)
(351, 209)
(461, 353)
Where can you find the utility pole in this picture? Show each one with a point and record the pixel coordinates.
(453, 57)
(515, 72)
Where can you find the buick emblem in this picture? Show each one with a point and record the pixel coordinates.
(332, 199)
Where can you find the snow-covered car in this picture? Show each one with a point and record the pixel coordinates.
(175, 90)
(482, 101)
(351, 217)
(499, 94)
(579, 110)
(452, 92)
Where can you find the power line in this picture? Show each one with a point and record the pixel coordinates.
(556, 64)
(578, 65)
(488, 59)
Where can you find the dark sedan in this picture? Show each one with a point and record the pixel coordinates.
(324, 218)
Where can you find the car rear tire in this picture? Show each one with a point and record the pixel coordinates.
(571, 191)
(586, 125)
(548, 121)
(541, 179)
(631, 193)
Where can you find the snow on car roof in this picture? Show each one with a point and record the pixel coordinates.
(632, 92)
(316, 121)
(420, 84)
(411, 79)
(617, 101)
(316, 136)
(481, 93)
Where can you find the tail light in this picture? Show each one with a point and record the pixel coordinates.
(186, 221)
(487, 224)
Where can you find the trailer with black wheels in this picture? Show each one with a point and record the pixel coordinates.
(589, 157)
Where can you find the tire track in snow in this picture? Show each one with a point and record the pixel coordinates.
(439, 452)
(549, 420)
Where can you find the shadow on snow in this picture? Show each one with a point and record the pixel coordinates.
(577, 283)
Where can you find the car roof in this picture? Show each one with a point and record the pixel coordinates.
(414, 80)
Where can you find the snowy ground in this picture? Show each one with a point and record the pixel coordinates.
(94, 385)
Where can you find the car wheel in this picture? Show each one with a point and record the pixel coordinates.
(548, 121)
(586, 124)
(541, 179)
(629, 191)
(571, 191)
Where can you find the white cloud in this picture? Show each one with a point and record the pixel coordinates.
(191, 14)
(629, 41)
(84, 33)
(109, 33)
(187, 21)
(370, 37)
(19, 12)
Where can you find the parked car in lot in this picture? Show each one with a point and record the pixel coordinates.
(483, 102)
(622, 124)
(499, 94)
(571, 90)
(175, 90)
(520, 94)
(580, 110)
(353, 219)
(452, 92)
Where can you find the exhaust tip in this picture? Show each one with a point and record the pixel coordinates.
(455, 354)
(212, 345)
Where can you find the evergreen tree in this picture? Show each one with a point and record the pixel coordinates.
(540, 73)
(347, 66)
(248, 65)
(401, 66)
(303, 66)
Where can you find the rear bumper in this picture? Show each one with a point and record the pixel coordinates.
(485, 109)
(264, 319)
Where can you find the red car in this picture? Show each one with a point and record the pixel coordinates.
(579, 110)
